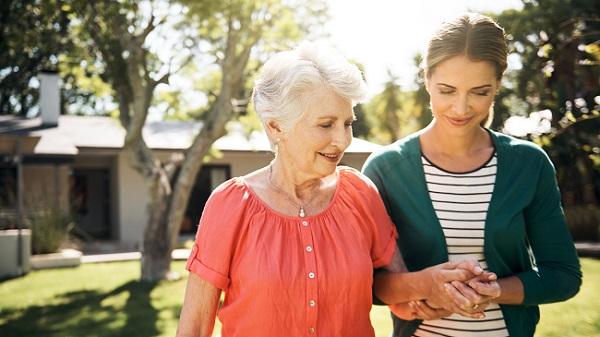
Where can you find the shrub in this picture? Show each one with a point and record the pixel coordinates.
(584, 222)
(49, 229)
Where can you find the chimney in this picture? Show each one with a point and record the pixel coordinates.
(49, 98)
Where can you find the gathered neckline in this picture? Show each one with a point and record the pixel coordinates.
(297, 217)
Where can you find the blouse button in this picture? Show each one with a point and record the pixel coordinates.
(309, 249)
(311, 330)
(311, 275)
(312, 303)
(305, 223)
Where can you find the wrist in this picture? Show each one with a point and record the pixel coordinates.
(424, 283)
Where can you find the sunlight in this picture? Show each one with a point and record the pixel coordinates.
(384, 34)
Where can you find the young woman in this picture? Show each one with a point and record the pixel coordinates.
(457, 190)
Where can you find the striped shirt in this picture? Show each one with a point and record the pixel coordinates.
(461, 202)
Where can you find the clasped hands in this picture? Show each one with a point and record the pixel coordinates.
(452, 287)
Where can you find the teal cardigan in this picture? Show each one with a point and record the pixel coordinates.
(525, 232)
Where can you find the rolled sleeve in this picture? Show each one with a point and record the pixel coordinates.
(217, 235)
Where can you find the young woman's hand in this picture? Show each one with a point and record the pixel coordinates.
(441, 294)
(474, 295)
(418, 310)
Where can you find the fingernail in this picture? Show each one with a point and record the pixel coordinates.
(478, 270)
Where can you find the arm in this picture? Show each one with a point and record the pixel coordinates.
(199, 308)
(558, 275)
(397, 285)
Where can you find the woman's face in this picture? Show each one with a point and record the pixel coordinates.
(462, 92)
(316, 143)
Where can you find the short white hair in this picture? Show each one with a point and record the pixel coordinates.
(282, 88)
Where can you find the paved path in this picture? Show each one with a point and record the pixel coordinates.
(178, 254)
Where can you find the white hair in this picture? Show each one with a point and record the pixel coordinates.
(286, 79)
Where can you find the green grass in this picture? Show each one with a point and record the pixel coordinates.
(106, 300)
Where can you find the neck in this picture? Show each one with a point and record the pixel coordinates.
(455, 144)
(292, 181)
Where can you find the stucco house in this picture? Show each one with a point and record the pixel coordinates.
(77, 164)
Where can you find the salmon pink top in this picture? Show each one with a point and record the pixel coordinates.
(287, 276)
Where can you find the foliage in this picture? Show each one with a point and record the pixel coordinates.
(49, 229)
(555, 50)
(584, 222)
(34, 33)
(394, 112)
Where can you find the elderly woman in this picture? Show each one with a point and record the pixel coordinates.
(457, 190)
(293, 245)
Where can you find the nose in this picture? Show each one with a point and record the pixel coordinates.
(461, 105)
(341, 137)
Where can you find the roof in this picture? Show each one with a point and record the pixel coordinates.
(76, 132)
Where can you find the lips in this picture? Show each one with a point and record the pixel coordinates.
(333, 157)
(459, 121)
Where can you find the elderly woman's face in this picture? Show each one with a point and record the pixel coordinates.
(316, 144)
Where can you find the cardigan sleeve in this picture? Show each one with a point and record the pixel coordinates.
(558, 274)
(372, 170)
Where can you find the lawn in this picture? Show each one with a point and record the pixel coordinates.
(106, 300)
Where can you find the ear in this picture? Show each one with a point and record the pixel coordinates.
(426, 81)
(274, 130)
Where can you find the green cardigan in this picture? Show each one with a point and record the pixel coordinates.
(525, 232)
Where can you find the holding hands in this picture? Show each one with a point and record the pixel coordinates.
(453, 287)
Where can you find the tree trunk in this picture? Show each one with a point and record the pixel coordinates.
(156, 253)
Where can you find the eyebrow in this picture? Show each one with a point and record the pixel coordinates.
(485, 86)
(335, 117)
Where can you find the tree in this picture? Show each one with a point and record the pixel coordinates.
(33, 34)
(556, 44)
(394, 112)
(117, 34)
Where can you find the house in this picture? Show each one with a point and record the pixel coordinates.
(77, 164)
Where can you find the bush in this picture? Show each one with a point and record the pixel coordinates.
(49, 229)
(584, 222)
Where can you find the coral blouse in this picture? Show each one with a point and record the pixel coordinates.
(287, 276)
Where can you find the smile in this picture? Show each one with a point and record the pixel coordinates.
(459, 121)
(334, 157)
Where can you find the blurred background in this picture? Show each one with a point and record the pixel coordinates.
(118, 118)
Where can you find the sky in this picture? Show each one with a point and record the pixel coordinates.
(386, 34)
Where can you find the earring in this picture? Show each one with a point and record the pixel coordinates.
(277, 140)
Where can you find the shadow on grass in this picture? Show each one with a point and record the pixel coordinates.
(88, 313)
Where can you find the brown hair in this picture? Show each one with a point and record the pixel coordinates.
(474, 35)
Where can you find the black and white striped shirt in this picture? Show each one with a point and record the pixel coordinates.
(461, 202)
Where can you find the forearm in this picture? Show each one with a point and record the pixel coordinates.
(199, 308)
(398, 287)
(511, 291)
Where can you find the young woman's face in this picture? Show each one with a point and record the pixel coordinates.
(462, 92)
(316, 144)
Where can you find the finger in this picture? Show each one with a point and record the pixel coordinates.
(459, 299)
(455, 275)
(472, 266)
(414, 311)
(468, 292)
(490, 289)
(425, 311)
(486, 276)
(464, 313)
